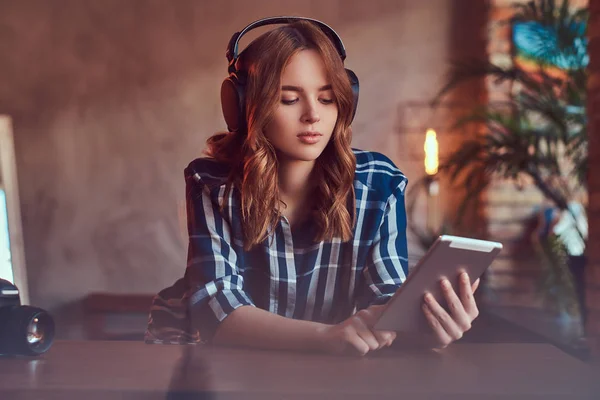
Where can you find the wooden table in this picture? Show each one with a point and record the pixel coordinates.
(132, 370)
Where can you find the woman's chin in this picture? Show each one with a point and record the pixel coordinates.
(306, 155)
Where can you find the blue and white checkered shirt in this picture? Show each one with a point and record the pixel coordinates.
(288, 274)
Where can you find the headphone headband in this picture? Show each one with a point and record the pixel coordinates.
(233, 89)
(232, 48)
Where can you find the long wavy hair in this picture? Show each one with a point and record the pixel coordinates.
(253, 160)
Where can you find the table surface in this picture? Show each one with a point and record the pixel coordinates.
(133, 370)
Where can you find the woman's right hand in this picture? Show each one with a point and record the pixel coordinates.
(355, 335)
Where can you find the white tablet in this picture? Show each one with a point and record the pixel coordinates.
(447, 258)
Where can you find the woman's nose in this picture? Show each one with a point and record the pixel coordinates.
(311, 115)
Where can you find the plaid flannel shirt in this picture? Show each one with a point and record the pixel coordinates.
(288, 274)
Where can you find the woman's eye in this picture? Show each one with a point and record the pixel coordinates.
(293, 101)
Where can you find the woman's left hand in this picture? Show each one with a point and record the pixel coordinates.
(450, 326)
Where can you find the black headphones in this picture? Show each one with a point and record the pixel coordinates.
(233, 94)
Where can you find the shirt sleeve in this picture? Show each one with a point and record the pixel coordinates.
(387, 263)
(215, 286)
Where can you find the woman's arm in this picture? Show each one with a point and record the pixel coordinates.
(387, 265)
(254, 327)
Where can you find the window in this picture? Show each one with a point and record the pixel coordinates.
(12, 254)
(5, 262)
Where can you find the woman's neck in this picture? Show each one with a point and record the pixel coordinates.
(295, 178)
(295, 188)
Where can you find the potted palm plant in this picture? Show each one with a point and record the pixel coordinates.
(537, 133)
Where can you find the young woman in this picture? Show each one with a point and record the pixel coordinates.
(291, 230)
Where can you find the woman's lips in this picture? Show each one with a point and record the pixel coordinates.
(310, 137)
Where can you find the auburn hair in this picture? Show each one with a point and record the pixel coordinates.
(253, 160)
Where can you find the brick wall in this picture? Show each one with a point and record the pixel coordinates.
(511, 211)
(593, 252)
(512, 278)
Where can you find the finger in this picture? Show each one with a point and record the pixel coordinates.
(393, 338)
(368, 316)
(371, 314)
(376, 310)
(365, 333)
(359, 346)
(443, 317)
(466, 296)
(475, 285)
(385, 338)
(442, 336)
(457, 309)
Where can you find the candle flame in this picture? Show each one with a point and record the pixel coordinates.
(431, 153)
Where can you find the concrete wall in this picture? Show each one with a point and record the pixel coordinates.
(110, 100)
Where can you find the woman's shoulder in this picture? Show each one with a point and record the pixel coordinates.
(377, 172)
(207, 171)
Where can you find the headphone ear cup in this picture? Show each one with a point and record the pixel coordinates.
(233, 101)
(355, 89)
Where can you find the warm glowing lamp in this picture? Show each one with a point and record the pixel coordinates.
(431, 168)
(431, 152)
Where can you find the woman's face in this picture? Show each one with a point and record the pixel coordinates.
(304, 119)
